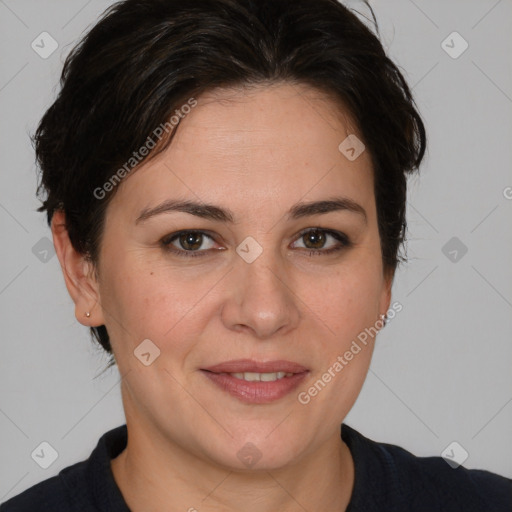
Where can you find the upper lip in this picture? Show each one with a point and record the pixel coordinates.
(249, 365)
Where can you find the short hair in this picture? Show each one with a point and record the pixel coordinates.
(145, 58)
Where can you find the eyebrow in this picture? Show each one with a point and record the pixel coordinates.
(212, 212)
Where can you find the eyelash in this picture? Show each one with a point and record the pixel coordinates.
(344, 242)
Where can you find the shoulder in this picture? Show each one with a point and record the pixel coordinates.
(394, 475)
(86, 486)
(54, 494)
(433, 480)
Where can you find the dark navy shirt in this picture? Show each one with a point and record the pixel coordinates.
(387, 477)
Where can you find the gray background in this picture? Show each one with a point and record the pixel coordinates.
(442, 368)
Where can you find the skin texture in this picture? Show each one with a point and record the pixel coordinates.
(257, 153)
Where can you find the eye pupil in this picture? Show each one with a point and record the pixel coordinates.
(315, 238)
(191, 241)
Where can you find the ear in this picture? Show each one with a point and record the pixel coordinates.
(78, 274)
(385, 299)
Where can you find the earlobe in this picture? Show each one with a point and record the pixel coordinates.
(78, 275)
(385, 301)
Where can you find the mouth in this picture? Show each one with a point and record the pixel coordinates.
(256, 382)
(260, 377)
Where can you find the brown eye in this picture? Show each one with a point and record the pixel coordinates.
(191, 241)
(314, 239)
(321, 241)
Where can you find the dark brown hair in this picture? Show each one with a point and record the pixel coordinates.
(145, 58)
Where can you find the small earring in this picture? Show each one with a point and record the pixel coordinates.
(384, 319)
(87, 314)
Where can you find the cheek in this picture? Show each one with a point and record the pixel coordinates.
(346, 301)
(150, 300)
(345, 310)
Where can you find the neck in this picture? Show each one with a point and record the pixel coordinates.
(157, 473)
(153, 474)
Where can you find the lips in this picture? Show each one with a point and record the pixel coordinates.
(256, 382)
(248, 365)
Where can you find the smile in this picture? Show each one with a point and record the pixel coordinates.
(262, 377)
(256, 382)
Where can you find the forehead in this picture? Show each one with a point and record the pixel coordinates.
(279, 115)
(266, 146)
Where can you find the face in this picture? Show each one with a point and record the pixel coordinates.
(271, 276)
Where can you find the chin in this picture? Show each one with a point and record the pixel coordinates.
(259, 451)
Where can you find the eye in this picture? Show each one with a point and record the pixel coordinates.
(188, 243)
(323, 241)
(194, 243)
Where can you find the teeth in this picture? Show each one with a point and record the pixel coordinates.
(263, 377)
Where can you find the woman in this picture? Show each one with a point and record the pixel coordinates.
(225, 182)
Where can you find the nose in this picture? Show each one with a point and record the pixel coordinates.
(261, 300)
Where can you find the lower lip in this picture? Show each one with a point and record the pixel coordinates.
(256, 392)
